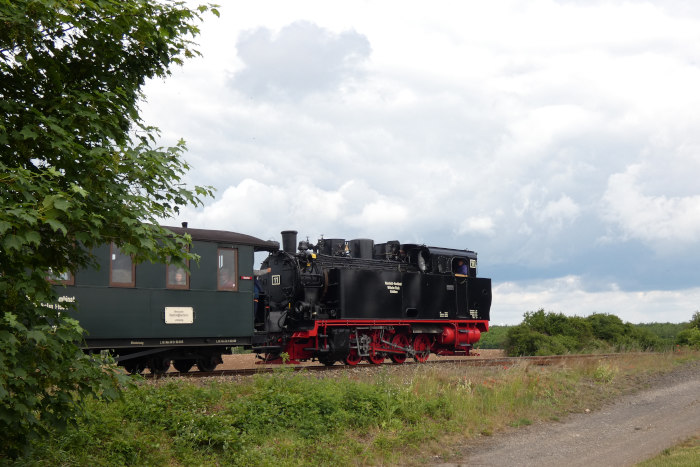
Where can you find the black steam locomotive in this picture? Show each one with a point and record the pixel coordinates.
(351, 300)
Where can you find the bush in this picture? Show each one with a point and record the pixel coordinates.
(544, 333)
(494, 339)
(690, 336)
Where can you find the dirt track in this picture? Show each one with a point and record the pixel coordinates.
(634, 428)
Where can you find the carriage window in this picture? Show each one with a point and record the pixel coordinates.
(122, 270)
(227, 269)
(65, 278)
(177, 277)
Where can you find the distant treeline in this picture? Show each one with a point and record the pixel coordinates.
(548, 333)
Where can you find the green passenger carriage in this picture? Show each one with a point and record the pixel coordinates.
(151, 314)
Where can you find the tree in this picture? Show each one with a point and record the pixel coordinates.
(690, 336)
(78, 168)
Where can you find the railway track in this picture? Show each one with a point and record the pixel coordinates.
(476, 362)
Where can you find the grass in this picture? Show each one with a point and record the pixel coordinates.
(686, 454)
(386, 415)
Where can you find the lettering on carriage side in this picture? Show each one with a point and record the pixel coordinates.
(393, 287)
(276, 279)
(58, 306)
(136, 342)
(474, 313)
(226, 341)
(179, 315)
(172, 341)
(444, 314)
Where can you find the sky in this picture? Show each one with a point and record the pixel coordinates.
(560, 140)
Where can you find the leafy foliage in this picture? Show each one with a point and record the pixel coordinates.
(667, 332)
(495, 338)
(690, 336)
(242, 423)
(543, 333)
(78, 168)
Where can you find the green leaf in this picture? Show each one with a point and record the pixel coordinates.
(77, 189)
(33, 237)
(61, 203)
(12, 242)
(28, 133)
(37, 336)
(4, 227)
(56, 225)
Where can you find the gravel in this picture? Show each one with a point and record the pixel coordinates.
(630, 430)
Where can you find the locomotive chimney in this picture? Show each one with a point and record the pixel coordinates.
(184, 225)
(289, 241)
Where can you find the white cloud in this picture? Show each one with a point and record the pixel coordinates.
(477, 224)
(650, 218)
(300, 59)
(567, 295)
(559, 212)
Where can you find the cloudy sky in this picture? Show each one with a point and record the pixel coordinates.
(558, 139)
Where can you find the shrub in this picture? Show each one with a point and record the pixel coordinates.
(689, 337)
(544, 333)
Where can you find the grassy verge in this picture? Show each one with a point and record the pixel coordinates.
(686, 454)
(390, 414)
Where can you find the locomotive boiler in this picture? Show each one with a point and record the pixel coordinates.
(340, 300)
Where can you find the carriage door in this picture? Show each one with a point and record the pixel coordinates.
(461, 297)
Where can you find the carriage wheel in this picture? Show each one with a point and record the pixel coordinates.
(421, 348)
(352, 358)
(159, 365)
(207, 363)
(134, 367)
(183, 366)
(400, 340)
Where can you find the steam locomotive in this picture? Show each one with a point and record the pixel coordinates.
(333, 301)
(346, 301)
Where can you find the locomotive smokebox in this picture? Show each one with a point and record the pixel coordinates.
(289, 241)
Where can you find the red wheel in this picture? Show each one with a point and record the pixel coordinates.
(352, 358)
(421, 347)
(375, 358)
(400, 340)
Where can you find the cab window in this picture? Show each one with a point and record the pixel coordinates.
(227, 270)
(122, 270)
(460, 267)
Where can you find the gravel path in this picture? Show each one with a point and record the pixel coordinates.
(632, 429)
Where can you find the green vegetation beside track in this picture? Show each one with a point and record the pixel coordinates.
(548, 333)
(372, 415)
(686, 454)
